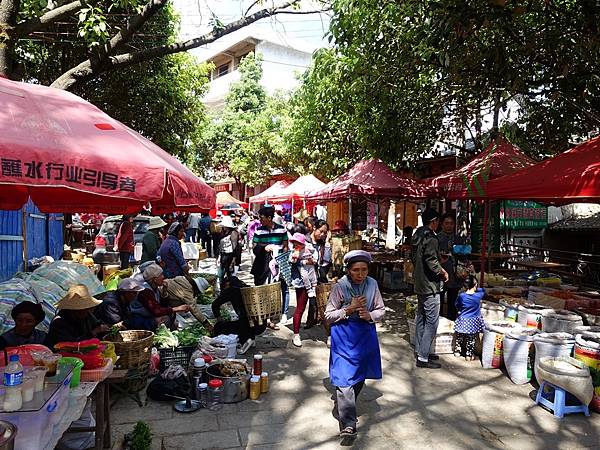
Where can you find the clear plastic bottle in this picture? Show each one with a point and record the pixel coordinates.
(13, 374)
(215, 394)
(202, 394)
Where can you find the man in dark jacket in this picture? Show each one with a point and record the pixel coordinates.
(429, 276)
(231, 293)
(114, 309)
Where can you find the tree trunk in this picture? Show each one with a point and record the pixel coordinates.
(497, 107)
(8, 20)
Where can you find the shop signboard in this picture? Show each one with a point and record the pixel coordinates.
(523, 215)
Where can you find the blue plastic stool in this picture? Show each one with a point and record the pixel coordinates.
(555, 401)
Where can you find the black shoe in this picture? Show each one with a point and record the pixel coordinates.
(348, 432)
(428, 364)
(433, 357)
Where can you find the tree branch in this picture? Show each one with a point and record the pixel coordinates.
(48, 18)
(92, 67)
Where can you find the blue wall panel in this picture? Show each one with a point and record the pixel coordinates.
(11, 243)
(37, 232)
(56, 237)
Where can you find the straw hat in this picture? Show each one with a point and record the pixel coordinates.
(155, 223)
(77, 298)
(301, 215)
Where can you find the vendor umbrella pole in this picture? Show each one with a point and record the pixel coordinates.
(378, 222)
(292, 213)
(350, 214)
(486, 213)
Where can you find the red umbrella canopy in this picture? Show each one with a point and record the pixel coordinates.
(500, 158)
(299, 189)
(572, 176)
(68, 155)
(368, 178)
(273, 191)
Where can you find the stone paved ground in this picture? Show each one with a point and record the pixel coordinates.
(460, 406)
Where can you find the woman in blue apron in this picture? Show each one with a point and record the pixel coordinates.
(354, 305)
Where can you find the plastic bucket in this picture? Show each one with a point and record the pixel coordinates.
(587, 350)
(77, 365)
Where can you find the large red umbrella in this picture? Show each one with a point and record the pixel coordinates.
(500, 158)
(273, 191)
(572, 176)
(368, 178)
(67, 155)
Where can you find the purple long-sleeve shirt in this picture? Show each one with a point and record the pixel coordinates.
(335, 312)
(171, 255)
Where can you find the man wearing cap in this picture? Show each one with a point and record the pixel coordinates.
(147, 311)
(114, 309)
(27, 316)
(151, 241)
(74, 320)
(183, 291)
(267, 242)
(429, 276)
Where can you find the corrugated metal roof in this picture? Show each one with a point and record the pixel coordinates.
(590, 223)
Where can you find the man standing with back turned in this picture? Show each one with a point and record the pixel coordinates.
(429, 276)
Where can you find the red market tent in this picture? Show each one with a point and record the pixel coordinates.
(500, 158)
(368, 178)
(273, 191)
(69, 156)
(572, 176)
(298, 189)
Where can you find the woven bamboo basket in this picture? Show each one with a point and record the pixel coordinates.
(134, 348)
(262, 303)
(323, 291)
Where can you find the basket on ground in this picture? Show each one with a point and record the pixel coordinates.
(262, 303)
(323, 291)
(133, 347)
(177, 356)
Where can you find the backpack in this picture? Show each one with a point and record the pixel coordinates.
(226, 245)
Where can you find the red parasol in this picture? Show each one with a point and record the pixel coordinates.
(67, 155)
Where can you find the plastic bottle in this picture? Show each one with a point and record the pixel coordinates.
(199, 368)
(215, 394)
(13, 374)
(202, 394)
(13, 401)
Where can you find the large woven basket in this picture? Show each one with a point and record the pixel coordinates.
(323, 291)
(262, 303)
(134, 348)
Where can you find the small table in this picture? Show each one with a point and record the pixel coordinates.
(537, 264)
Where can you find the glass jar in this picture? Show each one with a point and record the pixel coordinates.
(258, 360)
(264, 382)
(254, 387)
(215, 394)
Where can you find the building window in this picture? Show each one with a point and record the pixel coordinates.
(222, 70)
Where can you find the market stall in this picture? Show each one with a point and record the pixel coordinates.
(69, 156)
(274, 191)
(297, 191)
(470, 182)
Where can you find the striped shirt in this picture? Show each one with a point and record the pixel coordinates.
(275, 236)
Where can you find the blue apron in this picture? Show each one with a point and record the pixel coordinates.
(354, 353)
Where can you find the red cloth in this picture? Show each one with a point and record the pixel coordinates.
(124, 239)
(69, 156)
(500, 158)
(571, 176)
(368, 178)
(146, 298)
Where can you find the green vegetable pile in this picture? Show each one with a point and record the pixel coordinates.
(165, 338)
(204, 299)
(225, 314)
(140, 438)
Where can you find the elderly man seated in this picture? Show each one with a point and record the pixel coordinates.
(148, 310)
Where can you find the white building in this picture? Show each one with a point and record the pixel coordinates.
(282, 64)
